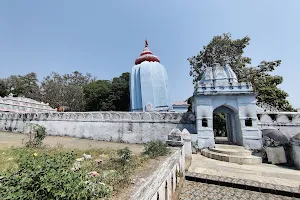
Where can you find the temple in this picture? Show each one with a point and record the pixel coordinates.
(149, 84)
(220, 92)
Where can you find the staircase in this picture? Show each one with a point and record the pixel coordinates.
(232, 154)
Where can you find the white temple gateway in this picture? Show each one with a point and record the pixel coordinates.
(220, 92)
(23, 105)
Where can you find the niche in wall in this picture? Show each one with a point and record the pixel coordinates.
(204, 122)
(248, 122)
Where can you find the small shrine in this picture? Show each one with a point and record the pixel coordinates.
(220, 92)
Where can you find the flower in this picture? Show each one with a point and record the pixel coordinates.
(35, 154)
(93, 173)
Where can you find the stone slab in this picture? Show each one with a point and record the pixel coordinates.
(276, 155)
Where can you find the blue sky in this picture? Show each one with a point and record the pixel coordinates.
(105, 37)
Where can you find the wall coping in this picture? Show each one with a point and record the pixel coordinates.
(149, 188)
(103, 116)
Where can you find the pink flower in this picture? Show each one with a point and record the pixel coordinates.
(94, 173)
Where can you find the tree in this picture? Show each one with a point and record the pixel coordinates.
(66, 90)
(266, 85)
(120, 95)
(3, 88)
(27, 86)
(103, 95)
(96, 95)
(225, 50)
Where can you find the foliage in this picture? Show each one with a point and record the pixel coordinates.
(97, 95)
(123, 159)
(108, 95)
(123, 164)
(3, 88)
(266, 85)
(224, 50)
(45, 173)
(190, 102)
(120, 95)
(75, 91)
(221, 49)
(26, 85)
(65, 90)
(156, 148)
(48, 176)
(37, 134)
(219, 122)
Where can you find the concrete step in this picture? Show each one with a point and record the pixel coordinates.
(239, 159)
(231, 150)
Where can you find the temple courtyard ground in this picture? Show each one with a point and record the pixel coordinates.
(206, 178)
(202, 191)
(9, 139)
(214, 179)
(262, 173)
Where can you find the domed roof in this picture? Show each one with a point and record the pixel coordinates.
(220, 74)
(146, 55)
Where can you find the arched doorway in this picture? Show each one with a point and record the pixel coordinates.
(226, 126)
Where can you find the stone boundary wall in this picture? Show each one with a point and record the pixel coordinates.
(129, 127)
(287, 122)
(162, 183)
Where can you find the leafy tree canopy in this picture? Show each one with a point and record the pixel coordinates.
(108, 95)
(65, 90)
(27, 86)
(74, 91)
(3, 88)
(225, 50)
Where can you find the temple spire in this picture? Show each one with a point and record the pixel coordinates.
(146, 55)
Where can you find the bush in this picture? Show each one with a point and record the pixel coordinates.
(37, 134)
(124, 157)
(48, 176)
(123, 164)
(156, 148)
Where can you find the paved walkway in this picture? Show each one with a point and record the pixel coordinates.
(202, 191)
(263, 173)
(8, 139)
(214, 179)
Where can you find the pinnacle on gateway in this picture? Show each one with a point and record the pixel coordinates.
(149, 84)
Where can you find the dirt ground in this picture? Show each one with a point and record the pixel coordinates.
(9, 139)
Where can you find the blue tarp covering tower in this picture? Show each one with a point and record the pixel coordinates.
(149, 84)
